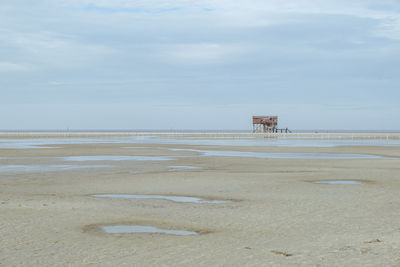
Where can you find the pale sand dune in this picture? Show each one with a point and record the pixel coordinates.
(278, 217)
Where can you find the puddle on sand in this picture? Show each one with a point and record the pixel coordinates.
(171, 198)
(337, 182)
(114, 158)
(172, 168)
(126, 229)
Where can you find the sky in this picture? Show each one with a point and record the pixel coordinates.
(199, 64)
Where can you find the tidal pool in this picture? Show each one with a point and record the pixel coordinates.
(115, 158)
(171, 198)
(126, 229)
(337, 182)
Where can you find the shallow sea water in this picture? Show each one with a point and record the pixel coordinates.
(278, 141)
(246, 141)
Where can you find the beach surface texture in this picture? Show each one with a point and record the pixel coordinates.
(254, 200)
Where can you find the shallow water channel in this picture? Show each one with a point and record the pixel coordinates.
(115, 158)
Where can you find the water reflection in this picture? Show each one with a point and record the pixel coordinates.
(171, 198)
(126, 229)
(337, 182)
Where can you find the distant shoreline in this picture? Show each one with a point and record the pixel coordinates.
(227, 134)
(189, 131)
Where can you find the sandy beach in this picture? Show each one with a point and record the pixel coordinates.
(274, 215)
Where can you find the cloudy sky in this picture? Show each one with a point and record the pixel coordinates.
(199, 64)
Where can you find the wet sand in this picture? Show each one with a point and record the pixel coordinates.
(277, 216)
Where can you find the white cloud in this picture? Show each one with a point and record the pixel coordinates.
(390, 27)
(253, 13)
(54, 50)
(223, 13)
